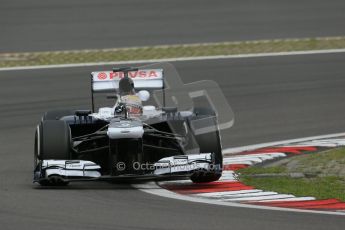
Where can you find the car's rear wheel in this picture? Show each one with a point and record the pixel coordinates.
(57, 114)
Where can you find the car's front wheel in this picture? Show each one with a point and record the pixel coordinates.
(52, 142)
(209, 142)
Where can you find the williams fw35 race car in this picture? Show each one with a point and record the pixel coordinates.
(144, 124)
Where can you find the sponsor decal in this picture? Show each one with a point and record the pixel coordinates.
(102, 76)
(141, 74)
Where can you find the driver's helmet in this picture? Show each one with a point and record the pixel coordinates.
(128, 96)
(126, 86)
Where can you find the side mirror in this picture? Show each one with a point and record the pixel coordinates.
(144, 95)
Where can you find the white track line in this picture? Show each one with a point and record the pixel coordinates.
(313, 144)
(228, 172)
(323, 143)
(307, 198)
(241, 162)
(258, 198)
(255, 159)
(250, 160)
(249, 195)
(228, 176)
(220, 194)
(265, 155)
(199, 58)
(262, 157)
(228, 179)
(291, 141)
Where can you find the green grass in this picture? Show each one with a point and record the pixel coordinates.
(321, 188)
(324, 158)
(260, 170)
(169, 51)
(329, 167)
(331, 163)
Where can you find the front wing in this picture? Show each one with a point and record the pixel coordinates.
(174, 167)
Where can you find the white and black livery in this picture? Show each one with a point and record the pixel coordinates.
(152, 141)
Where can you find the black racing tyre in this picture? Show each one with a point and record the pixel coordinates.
(53, 140)
(36, 146)
(210, 143)
(54, 180)
(57, 114)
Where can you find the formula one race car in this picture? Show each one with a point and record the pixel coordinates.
(138, 137)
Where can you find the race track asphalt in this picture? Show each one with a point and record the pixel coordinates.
(273, 98)
(34, 25)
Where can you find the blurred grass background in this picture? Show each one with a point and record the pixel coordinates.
(169, 51)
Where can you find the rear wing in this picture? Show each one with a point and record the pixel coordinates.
(143, 79)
